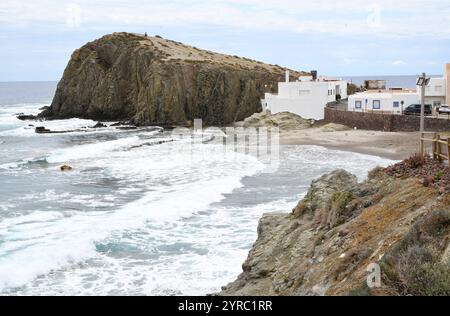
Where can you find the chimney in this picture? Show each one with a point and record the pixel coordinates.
(287, 75)
(447, 84)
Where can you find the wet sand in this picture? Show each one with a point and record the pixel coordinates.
(396, 146)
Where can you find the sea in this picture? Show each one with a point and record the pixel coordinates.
(136, 215)
(405, 81)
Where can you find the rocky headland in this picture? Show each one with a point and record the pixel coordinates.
(153, 81)
(394, 219)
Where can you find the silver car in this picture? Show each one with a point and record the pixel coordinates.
(444, 109)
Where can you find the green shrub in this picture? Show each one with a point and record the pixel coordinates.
(439, 175)
(341, 199)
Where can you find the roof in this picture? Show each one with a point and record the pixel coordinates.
(389, 91)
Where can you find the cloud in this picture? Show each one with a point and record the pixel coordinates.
(354, 17)
(398, 63)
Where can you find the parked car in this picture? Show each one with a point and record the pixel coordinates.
(414, 109)
(444, 109)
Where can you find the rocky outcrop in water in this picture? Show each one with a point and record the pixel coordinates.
(326, 244)
(150, 80)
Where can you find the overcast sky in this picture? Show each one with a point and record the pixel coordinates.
(340, 37)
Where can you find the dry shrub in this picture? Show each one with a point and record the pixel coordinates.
(350, 263)
(415, 161)
(375, 173)
(415, 266)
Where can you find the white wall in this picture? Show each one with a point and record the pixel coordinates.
(447, 83)
(434, 92)
(307, 99)
(436, 88)
(386, 101)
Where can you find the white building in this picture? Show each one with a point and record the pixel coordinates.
(397, 100)
(387, 101)
(447, 84)
(435, 92)
(307, 97)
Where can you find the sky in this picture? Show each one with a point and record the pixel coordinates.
(340, 37)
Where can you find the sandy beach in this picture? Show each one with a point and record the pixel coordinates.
(396, 146)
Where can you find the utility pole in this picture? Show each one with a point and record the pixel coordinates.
(422, 116)
(423, 81)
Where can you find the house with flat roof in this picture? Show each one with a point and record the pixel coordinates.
(308, 96)
(435, 92)
(396, 100)
(393, 101)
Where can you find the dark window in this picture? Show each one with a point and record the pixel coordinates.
(376, 104)
(396, 104)
(358, 104)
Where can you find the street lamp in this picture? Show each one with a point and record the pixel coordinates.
(422, 82)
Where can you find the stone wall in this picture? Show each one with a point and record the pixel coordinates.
(385, 122)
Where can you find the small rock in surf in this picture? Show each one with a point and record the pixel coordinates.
(66, 168)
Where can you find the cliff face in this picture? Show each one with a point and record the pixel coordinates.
(341, 227)
(150, 80)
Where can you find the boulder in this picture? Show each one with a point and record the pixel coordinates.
(332, 127)
(99, 125)
(42, 130)
(24, 117)
(285, 121)
(65, 168)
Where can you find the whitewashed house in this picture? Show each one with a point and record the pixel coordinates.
(389, 101)
(436, 91)
(307, 97)
(397, 100)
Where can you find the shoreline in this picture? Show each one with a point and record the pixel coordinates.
(389, 145)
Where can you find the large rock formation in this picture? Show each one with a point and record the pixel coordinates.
(150, 80)
(326, 244)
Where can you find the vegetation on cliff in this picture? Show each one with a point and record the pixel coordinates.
(151, 80)
(341, 227)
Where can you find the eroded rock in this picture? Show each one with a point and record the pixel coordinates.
(154, 81)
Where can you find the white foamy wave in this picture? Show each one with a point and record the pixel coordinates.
(9, 124)
(166, 275)
(99, 149)
(24, 129)
(34, 246)
(92, 150)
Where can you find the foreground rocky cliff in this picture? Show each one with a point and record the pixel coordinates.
(341, 227)
(150, 80)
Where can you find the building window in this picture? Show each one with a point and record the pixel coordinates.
(358, 104)
(376, 104)
(396, 104)
(304, 92)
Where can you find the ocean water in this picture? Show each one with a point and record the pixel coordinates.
(391, 81)
(137, 215)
